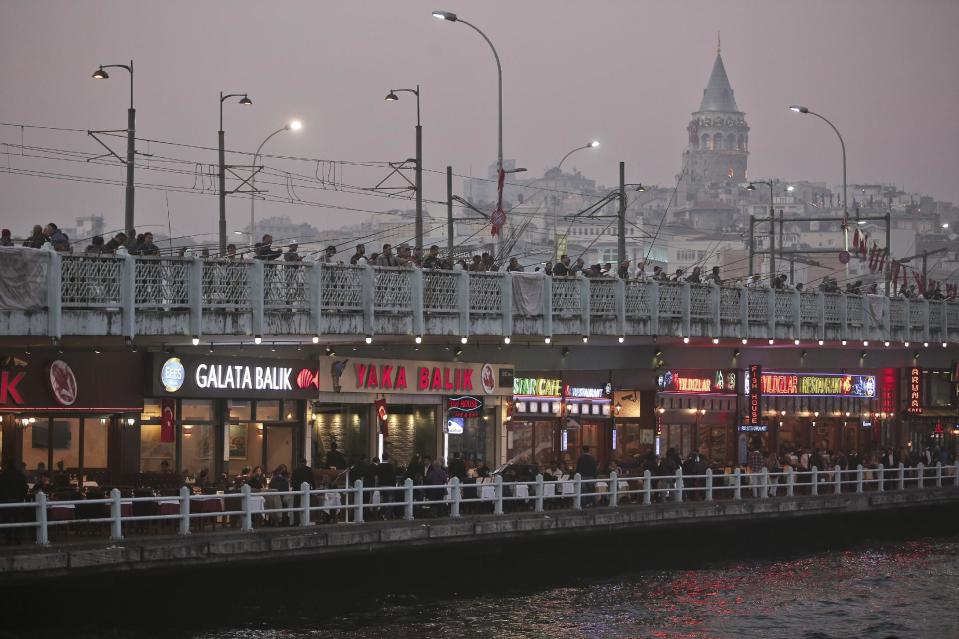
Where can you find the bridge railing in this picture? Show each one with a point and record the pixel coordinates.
(463, 303)
(116, 516)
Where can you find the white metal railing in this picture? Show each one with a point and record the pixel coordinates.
(461, 303)
(115, 516)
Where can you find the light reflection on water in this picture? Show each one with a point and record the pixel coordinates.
(907, 589)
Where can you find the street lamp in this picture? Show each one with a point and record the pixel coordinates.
(294, 125)
(591, 145)
(392, 97)
(498, 213)
(772, 230)
(245, 101)
(842, 143)
(101, 74)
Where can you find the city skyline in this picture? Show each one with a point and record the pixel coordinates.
(556, 97)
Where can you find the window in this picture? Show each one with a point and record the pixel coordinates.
(197, 409)
(268, 411)
(240, 411)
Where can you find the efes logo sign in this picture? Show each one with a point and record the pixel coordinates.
(188, 376)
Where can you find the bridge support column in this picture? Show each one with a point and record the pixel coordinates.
(684, 307)
(463, 300)
(257, 296)
(506, 288)
(316, 297)
(55, 296)
(620, 307)
(548, 306)
(583, 303)
(416, 296)
(195, 295)
(366, 299)
(652, 298)
(128, 278)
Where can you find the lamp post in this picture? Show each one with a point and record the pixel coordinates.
(452, 17)
(772, 228)
(294, 125)
(100, 74)
(246, 101)
(392, 97)
(842, 143)
(591, 145)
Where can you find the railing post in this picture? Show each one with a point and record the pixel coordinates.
(820, 315)
(305, 505)
(838, 481)
(358, 489)
(790, 482)
(738, 486)
(709, 484)
(463, 299)
(647, 487)
(685, 307)
(771, 312)
(116, 516)
(498, 491)
(880, 487)
(614, 488)
(955, 475)
(583, 283)
(920, 472)
(506, 289)
(195, 295)
(814, 481)
(316, 297)
(43, 533)
(547, 306)
(859, 478)
(765, 482)
(744, 312)
(128, 296)
(257, 294)
(577, 492)
(540, 493)
(455, 493)
(844, 317)
(416, 298)
(938, 474)
(679, 486)
(652, 298)
(184, 510)
(620, 305)
(247, 525)
(902, 477)
(408, 499)
(367, 284)
(55, 296)
(797, 315)
(924, 304)
(886, 318)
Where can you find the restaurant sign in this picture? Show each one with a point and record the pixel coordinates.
(755, 395)
(697, 381)
(537, 387)
(364, 375)
(464, 406)
(915, 391)
(249, 378)
(817, 385)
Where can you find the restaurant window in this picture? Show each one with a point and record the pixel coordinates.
(474, 443)
(153, 451)
(35, 448)
(151, 410)
(240, 411)
(95, 443)
(246, 446)
(290, 410)
(196, 410)
(268, 411)
(196, 448)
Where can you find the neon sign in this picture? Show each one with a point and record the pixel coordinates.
(915, 391)
(537, 387)
(697, 381)
(755, 395)
(818, 385)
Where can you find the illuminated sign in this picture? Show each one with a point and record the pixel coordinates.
(234, 377)
(866, 423)
(816, 385)
(915, 391)
(697, 381)
(753, 428)
(585, 393)
(227, 377)
(172, 375)
(755, 394)
(465, 406)
(8, 387)
(454, 425)
(537, 387)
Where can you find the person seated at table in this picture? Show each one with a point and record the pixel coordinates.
(256, 480)
(203, 479)
(334, 458)
(35, 475)
(165, 466)
(302, 474)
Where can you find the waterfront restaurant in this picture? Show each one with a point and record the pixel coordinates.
(223, 414)
(404, 407)
(71, 410)
(930, 408)
(697, 408)
(552, 421)
(833, 411)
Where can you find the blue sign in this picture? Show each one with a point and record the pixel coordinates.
(172, 375)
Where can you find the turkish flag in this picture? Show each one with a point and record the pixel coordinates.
(167, 420)
(382, 416)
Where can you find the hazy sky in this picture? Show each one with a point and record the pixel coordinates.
(627, 73)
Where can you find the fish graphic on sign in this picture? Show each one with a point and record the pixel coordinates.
(336, 371)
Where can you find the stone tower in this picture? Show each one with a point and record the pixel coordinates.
(718, 135)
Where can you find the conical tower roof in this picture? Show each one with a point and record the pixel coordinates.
(718, 95)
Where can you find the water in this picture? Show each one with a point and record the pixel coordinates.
(873, 589)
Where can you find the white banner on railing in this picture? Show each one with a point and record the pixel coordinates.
(23, 286)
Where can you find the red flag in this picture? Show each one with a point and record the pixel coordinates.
(498, 218)
(873, 257)
(855, 240)
(882, 261)
(894, 272)
(167, 420)
(862, 245)
(920, 283)
(382, 416)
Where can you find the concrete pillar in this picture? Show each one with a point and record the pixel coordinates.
(652, 298)
(620, 307)
(547, 306)
(195, 295)
(709, 484)
(116, 516)
(685, 305)
(184, 510)
(366, 298)
(679, 486)
(583, 283)
(738, 486)
(305, 505)
(463, 299)
(54, 296)
(880, 487)
(416, 298)
(256, 296)
(455, 494)
(498, 488)
(315, 275)
(408, 499)
(43, 536)
(647, 488)
(506, 289)
(128, 275)
(358, 500)
(247, 525)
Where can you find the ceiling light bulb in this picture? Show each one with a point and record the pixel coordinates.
(369, 339)
(745, 341)
(865, 342)
(296, 125)
(257, 339)
(685, 340)
(771, 342)
(506, 339)
(906, 344)
(621, 339)
(547, 340)
(196, 341)
(715, 340)
(843, 342)
(418, 339)
(821, 342)
(316, 339)
(585, 339)
(796, 342)
(464, 339)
